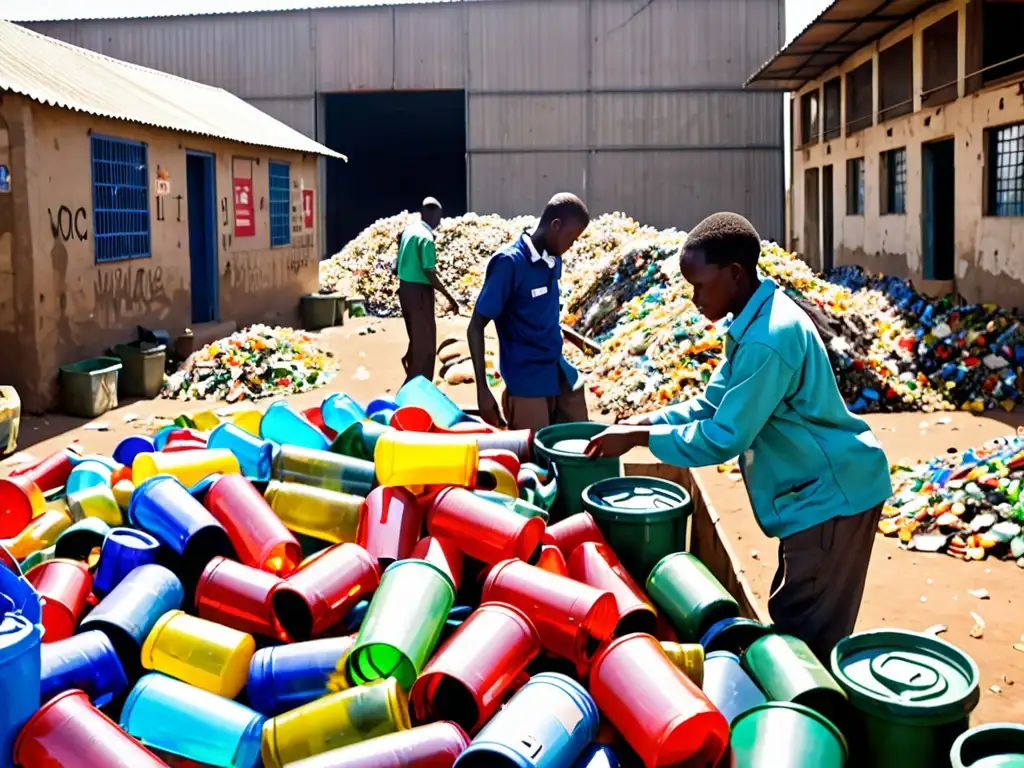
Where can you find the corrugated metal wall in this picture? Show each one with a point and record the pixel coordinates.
(637, 104)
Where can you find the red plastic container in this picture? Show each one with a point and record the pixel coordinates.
(65, 586)
(552, 560)
(596, 565)
(664, 631)
(443, 554)
(184, 439)
(20, 499)
(467, 428)
(437, 745)
(518, 441)
(467, 680)
(323, 590)
(316, 417)
(390, 522)
(660, 712)
(69, 732)
(482, 529)
(239, 597)
(48, 474)
(573, 531)
(572, 619)
(411, 418)
(506, 458)
(259, 537)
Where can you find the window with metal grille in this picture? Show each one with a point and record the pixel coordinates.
(280, 204)
(855, 186)
(833, 118)
(120, 199)
(1006, 171)
(894, 182)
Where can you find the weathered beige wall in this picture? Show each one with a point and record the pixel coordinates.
(989, 250)
(82, 307)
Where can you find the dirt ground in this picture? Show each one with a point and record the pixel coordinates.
(905, 589)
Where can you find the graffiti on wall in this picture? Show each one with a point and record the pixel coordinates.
(129, 292)
(255, 272)
(68, 224)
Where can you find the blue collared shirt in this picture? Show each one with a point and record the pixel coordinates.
(774, 402)
(520, 294)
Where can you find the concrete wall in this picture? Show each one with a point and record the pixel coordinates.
(81, 307)
(989, 251)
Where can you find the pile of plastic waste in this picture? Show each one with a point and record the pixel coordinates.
(256, 362)
(394, 585)
(968, 505)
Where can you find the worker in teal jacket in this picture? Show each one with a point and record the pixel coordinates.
(816, 475)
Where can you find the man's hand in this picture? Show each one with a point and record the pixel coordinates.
(640, 420)
(616, 441)
(453, 306)
(488, 406)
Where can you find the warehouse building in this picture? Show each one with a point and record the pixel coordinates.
(493, 105)
(908, 135)
(131, 197)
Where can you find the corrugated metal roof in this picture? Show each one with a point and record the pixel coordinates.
(61, 75)
(838, 32)
(101, 10)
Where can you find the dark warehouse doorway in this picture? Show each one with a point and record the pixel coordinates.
(402, 146)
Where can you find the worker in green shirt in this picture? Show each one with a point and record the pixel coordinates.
(417, 281)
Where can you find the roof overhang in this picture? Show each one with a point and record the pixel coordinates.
(838, 32)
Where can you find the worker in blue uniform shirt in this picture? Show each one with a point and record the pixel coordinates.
(816, 475)
(520, 295)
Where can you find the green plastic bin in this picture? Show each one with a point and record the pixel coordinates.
(997, 745)
(914, 694)
(691, 597)
(642, 518)
(142, 371)
(784, 735)
(318, 311)
(89, 388)
(561, 446)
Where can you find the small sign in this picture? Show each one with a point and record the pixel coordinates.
(163, 182)
(5, 179)
(245, 221)
(307, 209)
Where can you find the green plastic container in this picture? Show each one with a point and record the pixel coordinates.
(359, 440)
(142, 372)
(89, 388)
(642, 518)
(997, 745)
(914, 694)
(318, 311)
(689, 594)
(785, 735)
(787, 670)
(561, 446)
(341, 304)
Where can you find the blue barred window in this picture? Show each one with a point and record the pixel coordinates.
(280, 204)
(120, 199)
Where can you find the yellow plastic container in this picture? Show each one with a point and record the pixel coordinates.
(97, 501)
(205, 420)
(494, 476)
(248, 420)
(688, 658)
(40, 533)
(188, 466)
(199, 652)
(425, 458)
(318, 512)
(337, 720)
(123, 494)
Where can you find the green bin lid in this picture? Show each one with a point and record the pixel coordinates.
(574, 446)
(996, 745)
(897, 673)
(636, 499)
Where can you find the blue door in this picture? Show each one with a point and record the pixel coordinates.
(202, 236)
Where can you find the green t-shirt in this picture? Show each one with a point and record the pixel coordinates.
(416, 254)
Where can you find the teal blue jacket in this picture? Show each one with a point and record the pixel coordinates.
(774, 402)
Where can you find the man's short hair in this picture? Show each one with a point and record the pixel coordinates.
(726, 238)
(565, 206)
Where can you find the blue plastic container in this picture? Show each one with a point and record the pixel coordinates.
(87, 662)
(99, 458)
(164, 507)
(339, 412)
(287, 676)
(728, 686)
(78, 541)
(85, 475)
(383, 417)
(284, 425)
(161, 435)
(547, 724)
(355, 617)
(597, 756)
(734, 635)
(20, 661)
(380, 404)
(426, 395)
(255, 456)
(132, 608)
(124, 550)
(132, 446)
(177, 718)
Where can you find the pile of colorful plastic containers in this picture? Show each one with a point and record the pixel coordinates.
(400, 586)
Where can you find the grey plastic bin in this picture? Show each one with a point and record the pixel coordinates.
(88, 388)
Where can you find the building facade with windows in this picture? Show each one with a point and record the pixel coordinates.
(908, 142)
(129, 198)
